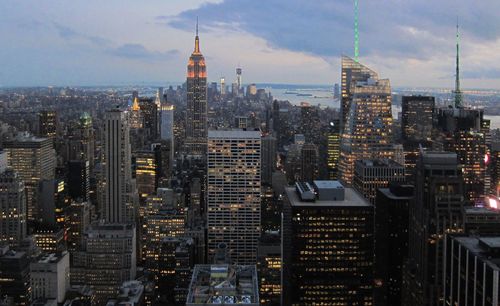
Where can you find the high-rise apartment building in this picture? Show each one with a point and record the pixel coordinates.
(196, 113)
(327, 245)
(417, 117)
(34, 160)
(367, 132)
(233, 193)
(117, 199)
(436, 209)
(12, 208)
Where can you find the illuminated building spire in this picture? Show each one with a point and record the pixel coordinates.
(458, 92)
(196, 40)
(356, 31)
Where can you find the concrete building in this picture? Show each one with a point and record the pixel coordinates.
(117, 199)
(233, 193)
(49, 275)
(106, 260)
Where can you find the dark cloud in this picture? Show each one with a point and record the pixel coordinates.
(138, 51)
(395, 28)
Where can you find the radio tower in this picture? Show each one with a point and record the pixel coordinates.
(356, 32)
(458, 92)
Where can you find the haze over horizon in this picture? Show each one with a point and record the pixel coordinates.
(125, 42)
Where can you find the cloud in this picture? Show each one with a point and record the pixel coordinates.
(139, 52)
(398, 28)
(69, 34)
(492, 73)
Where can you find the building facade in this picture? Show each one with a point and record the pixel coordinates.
(233, 193)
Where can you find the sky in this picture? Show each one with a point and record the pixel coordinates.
(130, 42)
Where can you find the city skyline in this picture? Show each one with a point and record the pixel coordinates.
(56, 44)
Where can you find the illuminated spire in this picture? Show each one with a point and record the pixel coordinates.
(135, 105)
(458, 92)
(356, 31)
(197, 40)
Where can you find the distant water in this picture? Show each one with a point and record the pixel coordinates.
(494, 121)
(313, 95)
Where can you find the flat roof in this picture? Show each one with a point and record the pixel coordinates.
(476, 245)
(237, 134)
(387, 192)
(323, 184)
(351, 198)
(224, 284)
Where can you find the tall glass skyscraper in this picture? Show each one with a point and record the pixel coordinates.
(367, 131)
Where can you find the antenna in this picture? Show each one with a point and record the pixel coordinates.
(458, 92)
(196, 25)
(356, 32)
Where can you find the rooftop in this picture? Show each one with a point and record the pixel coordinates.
(378, 163)
(351, 198)
(223, 284)
(486, 248)
(231, 134)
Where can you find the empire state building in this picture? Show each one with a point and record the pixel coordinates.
(196, 114)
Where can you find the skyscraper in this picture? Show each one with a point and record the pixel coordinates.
(12, 208)
(222, 86)
(391, 235)
(233, 193)
(196, 120)
(117, 202)
(47, 123)
(371, 174)
(268, 158)
(238, 78)
(367, 131)
(327, 245)
(333, 149)
(34, 160)
(107, 259)
(352, 71)
(417, 117)
(436, 209)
